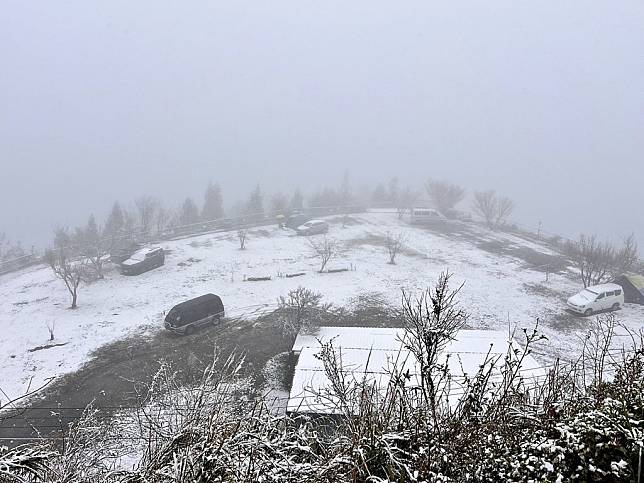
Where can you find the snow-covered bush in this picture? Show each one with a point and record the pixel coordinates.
(300, 309)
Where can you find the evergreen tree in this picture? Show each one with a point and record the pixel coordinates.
(92, 233)
(62, 238)
(213, 205)
(393, 191)
(379, 194)
(255, 206)
(345, 197)
(189, 212)
(279, 204)
(115, 221)
(297, 201)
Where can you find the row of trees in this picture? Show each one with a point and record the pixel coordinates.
(492, 208)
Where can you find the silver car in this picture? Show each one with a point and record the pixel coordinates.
(313, 227)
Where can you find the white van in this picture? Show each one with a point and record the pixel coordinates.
(608, 296)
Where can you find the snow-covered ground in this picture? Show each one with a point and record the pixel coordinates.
(495, 290)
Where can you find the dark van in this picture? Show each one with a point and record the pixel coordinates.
(187, 316)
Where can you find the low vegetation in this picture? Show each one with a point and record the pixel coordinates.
(394, 243)
(583, 422)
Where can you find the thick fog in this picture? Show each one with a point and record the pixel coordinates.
(105, 101)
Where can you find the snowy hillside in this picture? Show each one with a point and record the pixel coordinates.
(498, 289)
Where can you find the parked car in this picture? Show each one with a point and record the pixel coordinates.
(296, 219)
(313, 227)
(143, 260)
(188, 316)
(123, 252)
(597, 298)
(425, 215)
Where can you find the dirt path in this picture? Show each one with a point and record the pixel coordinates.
(118, 373)
(114, 379)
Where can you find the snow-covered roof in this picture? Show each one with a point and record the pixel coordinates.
(139, 255)
(604, 287)
(371, 353)
(347, 337)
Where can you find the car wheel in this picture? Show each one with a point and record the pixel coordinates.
(588, 312)
(615, 307)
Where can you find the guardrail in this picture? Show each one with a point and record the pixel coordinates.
(14, 264)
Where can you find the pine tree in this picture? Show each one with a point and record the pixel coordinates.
(297, 201)
(213, 206)
(255, 206)
(345, 190)
(92, 234)
(189, 212)
(279, 204)
(393, 191)
(379, 194)
(115, 222)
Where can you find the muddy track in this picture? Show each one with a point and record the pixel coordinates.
(118, 372)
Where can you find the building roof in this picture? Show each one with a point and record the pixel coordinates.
(636, 280)
(371, 353)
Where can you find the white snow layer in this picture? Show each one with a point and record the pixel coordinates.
(494, 293)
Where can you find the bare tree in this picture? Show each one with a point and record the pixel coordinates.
(504, 208)
(394, 243)
(325, 250)
(598, 262)
(431, 321)
(97, 254)
(592, 258)
(493, 209)
(242, 235)
(626, 257)
(70, 272)
(300, 310)
(50, 329)
(405, 201)
(444, 195)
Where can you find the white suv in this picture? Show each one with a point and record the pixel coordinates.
(608, 296)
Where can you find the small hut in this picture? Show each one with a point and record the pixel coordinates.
(633, 286)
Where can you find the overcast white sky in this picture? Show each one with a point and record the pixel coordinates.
(543, 101)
